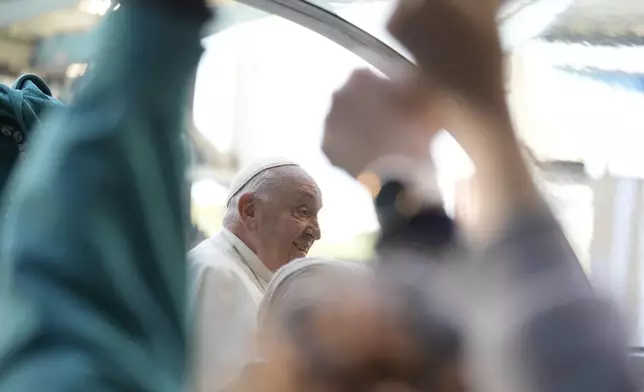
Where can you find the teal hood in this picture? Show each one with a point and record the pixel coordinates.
(21, 107)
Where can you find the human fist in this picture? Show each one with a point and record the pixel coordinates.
(456, 45)
(372, 118)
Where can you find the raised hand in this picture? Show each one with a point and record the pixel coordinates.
(456, 45)
(371, 118)
(458, 51)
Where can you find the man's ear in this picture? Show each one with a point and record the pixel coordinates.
(247, 209)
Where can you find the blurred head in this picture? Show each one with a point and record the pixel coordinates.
(302, 284)
(330, 324)
(275, 213)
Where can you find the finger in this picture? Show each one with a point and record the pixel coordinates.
(367, 85)
(361, 83)
(363, 75)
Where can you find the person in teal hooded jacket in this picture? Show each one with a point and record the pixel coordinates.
(93, 254)
(21, 107)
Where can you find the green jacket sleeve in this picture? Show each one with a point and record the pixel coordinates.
(93, 243)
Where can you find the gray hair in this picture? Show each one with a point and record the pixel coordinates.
(264, 186)
(301, 283)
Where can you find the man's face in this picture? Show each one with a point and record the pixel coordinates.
(287, 224)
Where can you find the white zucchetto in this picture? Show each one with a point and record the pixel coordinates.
(251, 171)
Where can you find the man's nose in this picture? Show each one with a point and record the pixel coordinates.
(315, 229)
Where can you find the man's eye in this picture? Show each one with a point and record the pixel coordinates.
(302, 212)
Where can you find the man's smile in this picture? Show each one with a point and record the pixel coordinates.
(303, 244)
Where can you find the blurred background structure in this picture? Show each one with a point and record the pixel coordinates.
(575, 83)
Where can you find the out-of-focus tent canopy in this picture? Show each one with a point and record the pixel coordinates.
(587, 36)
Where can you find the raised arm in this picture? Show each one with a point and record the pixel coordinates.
(550, 331)
(93, 245)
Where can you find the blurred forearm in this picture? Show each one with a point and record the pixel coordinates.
(503, 182)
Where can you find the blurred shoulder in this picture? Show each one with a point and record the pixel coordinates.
(210, 250)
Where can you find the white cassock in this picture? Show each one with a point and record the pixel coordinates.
(229, 284)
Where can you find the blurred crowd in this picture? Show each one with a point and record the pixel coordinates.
(105, 285)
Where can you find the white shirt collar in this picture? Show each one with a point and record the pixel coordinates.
(249, 257)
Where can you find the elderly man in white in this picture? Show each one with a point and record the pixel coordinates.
(270, 220)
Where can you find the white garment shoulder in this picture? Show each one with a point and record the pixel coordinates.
(225, 301)
(216, 255)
